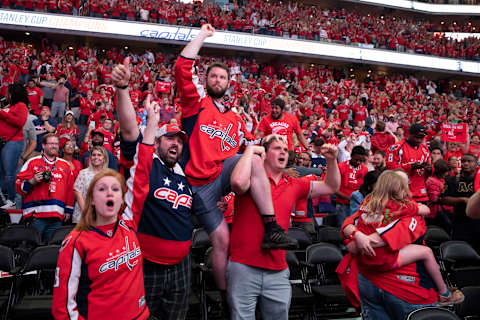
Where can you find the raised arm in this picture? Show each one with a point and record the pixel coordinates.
(332, 175)
(193, 47)
(125, 111)
(153, 117)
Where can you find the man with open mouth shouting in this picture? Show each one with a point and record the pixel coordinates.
(254, 274)
(215, 136)
(161, 189)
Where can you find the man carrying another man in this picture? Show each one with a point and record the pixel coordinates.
(254, 273)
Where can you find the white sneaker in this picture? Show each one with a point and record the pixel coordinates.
(9, 204)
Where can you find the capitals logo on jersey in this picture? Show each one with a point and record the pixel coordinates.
(127, 257)
(219, 131)
(172, 196)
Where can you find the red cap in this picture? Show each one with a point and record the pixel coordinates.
(171, 130)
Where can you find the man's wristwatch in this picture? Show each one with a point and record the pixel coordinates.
(122, 87)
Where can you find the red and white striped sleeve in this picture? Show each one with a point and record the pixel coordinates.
(67, 278)
(189, 87)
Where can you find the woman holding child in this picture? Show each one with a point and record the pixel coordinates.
(396, 273)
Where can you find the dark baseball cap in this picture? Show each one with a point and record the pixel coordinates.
(417, 129)
(97, 133)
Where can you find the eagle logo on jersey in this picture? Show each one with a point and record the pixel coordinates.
(227, 141)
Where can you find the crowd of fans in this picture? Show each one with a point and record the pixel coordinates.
(284, 19)
(328, 103)
(72, 111)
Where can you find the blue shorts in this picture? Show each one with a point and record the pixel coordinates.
(205, 197)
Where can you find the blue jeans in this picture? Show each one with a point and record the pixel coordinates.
(8, 166)
(46, 226)
(378, 304)
(246, 285)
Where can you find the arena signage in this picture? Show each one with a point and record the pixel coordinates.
(426, 7)
(73, 24)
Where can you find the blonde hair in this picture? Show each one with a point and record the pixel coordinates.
(390, 186)
(104, 153)
(271, 138)
(89, 215)
(68, 125)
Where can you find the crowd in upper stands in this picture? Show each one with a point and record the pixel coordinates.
(73, 111)
(284, 19)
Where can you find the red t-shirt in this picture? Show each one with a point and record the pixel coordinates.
(284, 126)
(247, 229)
(108, 139)
(382, 141)
(34, 95)
(351, 179)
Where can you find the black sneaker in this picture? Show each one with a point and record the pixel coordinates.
(276, 238)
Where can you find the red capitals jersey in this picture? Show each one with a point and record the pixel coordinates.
(385, 256)
(352, 179)
(410, 282)
(87, 105)
(213, 135)
(343, 112)
(403, 155)
(360, 113)
(34, 95)
(66, 134)
(285, 126)
(99, 275)
(46, 200)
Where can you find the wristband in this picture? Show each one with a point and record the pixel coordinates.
(122, 87)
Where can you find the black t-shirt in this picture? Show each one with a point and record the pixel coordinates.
(458, 187)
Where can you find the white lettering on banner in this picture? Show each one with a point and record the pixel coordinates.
(18, 18)
(222, 38)
(182, 34)
(244, 40)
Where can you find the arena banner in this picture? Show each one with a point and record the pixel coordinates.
(459, 36)
(24, 20)
(454, 132)
(433, 8)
